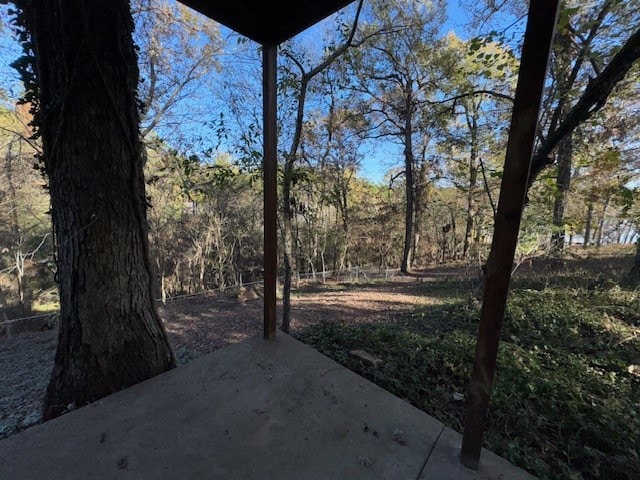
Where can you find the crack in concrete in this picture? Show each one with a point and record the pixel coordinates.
(433, 447)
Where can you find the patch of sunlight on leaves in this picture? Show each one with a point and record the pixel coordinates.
(45, 307)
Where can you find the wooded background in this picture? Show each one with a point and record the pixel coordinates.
(391, 139)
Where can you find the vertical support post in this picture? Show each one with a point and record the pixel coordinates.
(270, 172)
(533, 66)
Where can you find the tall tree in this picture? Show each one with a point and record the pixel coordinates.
(480, 94)
(596, 46)
(396, 78)
(178, 52)
(301, 79)
(575, 57)
(607, 42)
(85, 75)
(24, 224)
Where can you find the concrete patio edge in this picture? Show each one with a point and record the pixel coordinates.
(254, 410)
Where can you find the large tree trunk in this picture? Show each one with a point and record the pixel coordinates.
(110, 335)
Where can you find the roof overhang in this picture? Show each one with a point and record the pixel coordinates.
(268, 22)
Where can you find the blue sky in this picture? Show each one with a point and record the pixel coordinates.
(379, 158)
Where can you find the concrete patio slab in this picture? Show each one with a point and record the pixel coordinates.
(255, 410)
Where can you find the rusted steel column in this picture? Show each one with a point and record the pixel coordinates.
(270, 172)
(524, 120)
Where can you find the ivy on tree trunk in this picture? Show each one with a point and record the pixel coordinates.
(111, 336)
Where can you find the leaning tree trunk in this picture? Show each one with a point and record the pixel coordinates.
(110, 335)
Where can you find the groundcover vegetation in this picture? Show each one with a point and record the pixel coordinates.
(567, 394)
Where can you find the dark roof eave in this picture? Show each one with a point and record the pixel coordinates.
(282, 20)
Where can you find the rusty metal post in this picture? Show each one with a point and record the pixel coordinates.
(533, 66)
(270, 172)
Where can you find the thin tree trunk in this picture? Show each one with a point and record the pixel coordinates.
(19, 267)
(287, 244)
(563, 181)
(110, 333)
(343, 208)
(13, 203)
(601, 223)
(620, 230)
(468, 232)
(627, 235)
(306, 77)
(419, 207)
(473, 181)
(587, 226)
(407, 261)
(17, 239)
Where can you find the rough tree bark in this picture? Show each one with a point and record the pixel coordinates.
(110, 335)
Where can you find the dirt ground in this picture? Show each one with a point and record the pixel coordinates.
(198, 325)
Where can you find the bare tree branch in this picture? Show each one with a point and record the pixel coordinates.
(592, 100)
(491, 93)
